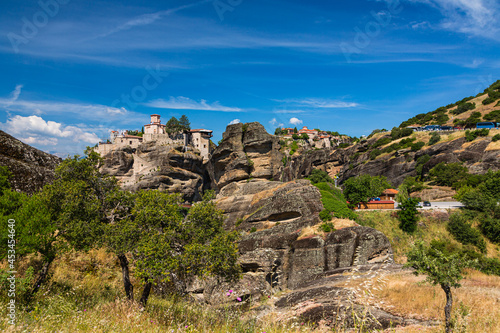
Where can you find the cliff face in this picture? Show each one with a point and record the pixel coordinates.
(246, 151)
(31, 168)
(478, 156)
(153, 166)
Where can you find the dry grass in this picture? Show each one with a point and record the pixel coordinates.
(405, 294)
(493, 146)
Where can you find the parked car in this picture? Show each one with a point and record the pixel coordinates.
(446, 128)
(427, 204)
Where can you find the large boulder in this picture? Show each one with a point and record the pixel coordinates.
(246, 151)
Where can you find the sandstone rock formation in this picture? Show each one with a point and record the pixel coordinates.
(162, 167)
(246, 151)
(31, 168)
(274, 256)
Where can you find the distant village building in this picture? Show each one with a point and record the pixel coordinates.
(389, 194)
(311, 133)
(198, 139)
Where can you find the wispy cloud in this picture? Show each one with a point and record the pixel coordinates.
(289, 111)
(234, 121)
(185, 103)
(14, 95)
(473, 17)
(319, 103)
(147, 19)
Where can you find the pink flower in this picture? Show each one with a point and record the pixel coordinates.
(239, 299)
(230, 291)
(228, 294)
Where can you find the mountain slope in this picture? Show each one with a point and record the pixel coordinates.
(31, 168)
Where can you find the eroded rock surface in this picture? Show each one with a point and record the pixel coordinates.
(161, 167)
(246, 151)
(275, 257)
(31, 168)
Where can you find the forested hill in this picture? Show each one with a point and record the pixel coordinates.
(467, 112)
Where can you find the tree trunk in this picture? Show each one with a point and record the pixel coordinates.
(42, 275)
(145, 294)
(447, 307)
(129, 288)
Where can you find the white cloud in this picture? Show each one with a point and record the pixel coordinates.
(185, 103)
(295, 121)
(36, 130)
(36, 140)
(275, 123)
(234, 121)
(474, 17)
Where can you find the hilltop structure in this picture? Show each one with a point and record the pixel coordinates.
(196, 139)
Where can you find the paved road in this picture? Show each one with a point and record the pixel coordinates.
(443, 204)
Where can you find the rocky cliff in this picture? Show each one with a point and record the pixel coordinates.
(162, 167)
(31, 168)
(246, 151)
(277, 256)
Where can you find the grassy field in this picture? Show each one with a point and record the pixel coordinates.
(85, 294)
(476, 303)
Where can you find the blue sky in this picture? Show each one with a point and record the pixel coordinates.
(74, 70)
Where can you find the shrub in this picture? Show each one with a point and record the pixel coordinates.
(489, 100)
(448, 174)
(304, 136)
(464, 107)
(435, 138)
(493, 115)
(465, 233)
(491, 229)
(326, 227)
(374, 153)
(397, 133)
(295, 136)
(495, 138)
(253, 229)
(343, 145)
(472, 135)
(408, 215)
(417, 146)
(381, 142)
(320, 176)
(334, 202)
(325, 215)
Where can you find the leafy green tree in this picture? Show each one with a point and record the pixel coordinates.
(278, 131)
(408, 215)
(295, 136)
(440, 269)
(305, 136)
(362, 188)
(448, 174)
(175, 249)
(70, 213)
(173, 126)
(463, 232)
(413, 185)
(184, 123)
(295, 130)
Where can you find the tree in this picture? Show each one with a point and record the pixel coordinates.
(278, 131)
(320, 176)
(362, 188)
(172, 125)
(175, 249)
(295, 136)
(448, 174)
(184, 123)
(440, 269)
(305, 136)
(70, 213)
(408, 214)
(295, 130)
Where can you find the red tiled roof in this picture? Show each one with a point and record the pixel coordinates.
(390, 191)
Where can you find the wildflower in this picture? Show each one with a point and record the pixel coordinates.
(230, 291)
(239, 299)
(228, 294)
(186, 326)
